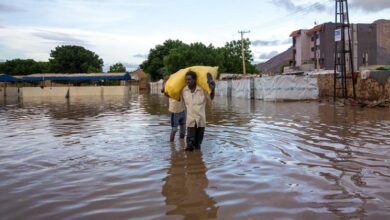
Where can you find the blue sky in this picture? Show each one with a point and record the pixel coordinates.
(125, 30)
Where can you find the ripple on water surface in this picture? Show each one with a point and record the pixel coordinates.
(90, 158)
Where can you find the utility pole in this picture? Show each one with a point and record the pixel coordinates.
(243, 50)
(316, 48)
(343, 58)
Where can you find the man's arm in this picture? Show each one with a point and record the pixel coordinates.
(212, 87)
(163, 86)
(211, 84)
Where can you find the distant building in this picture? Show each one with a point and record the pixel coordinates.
(301, 49)
(314, 48)
(142, 79)
(372, 43)
(322, 46)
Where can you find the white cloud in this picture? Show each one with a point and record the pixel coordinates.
(270, 42)
(5, 8)
(371, 6)
(302, 7)
(125, 30)
(37, 42)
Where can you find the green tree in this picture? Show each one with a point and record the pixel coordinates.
(74, 59)
(173, 55)
(232, 57)
(154, 65)
(191, 55)
(117, 68)
(23, 67)
(44, 67)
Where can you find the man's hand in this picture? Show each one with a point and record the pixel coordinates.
(210, 81)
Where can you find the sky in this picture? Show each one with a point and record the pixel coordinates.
(125, 30)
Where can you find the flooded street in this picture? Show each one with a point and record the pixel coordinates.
(93, 158)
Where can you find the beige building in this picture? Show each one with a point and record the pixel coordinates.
(301, 49)
(142, 79)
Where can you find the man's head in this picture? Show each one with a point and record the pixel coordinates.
(191, 79)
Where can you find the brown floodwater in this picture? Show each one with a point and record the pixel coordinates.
(94, 158)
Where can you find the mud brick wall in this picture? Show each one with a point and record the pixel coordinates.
(366, 89)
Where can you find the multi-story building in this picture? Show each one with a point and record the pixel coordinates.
(301, 48)
(371, 43)
(315, 50)
(322, 46)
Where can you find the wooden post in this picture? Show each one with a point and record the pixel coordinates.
(243, 50)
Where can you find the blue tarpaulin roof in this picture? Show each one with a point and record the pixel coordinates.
(7, 78)
(66, 77)
(77, 77)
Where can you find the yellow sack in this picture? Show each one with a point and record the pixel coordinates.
(177, 81)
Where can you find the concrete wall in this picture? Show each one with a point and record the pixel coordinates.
(116, 90)
(43, 92)
(9, 92)
(74, 91)
(85, 91)
(134, 89)
(13, 91)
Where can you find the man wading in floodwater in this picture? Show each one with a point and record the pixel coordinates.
(178, 115)
(195, 98)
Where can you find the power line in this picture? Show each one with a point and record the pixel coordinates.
(298, 12)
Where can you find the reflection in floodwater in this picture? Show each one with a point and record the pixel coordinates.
(94, 158)
(185, 185)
